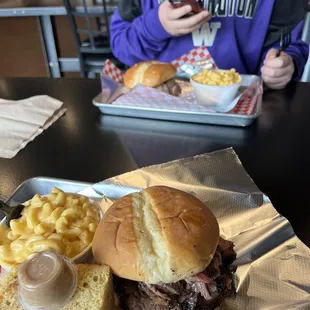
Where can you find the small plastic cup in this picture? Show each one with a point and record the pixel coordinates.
(46, 280)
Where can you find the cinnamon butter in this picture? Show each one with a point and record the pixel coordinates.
(46, 280)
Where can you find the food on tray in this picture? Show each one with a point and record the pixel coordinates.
(163, 246)
(94, 290)
(217, 77)
(154, 74)
(59, 221)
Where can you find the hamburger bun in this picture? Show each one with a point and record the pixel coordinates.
(159, 235)
(149, 73)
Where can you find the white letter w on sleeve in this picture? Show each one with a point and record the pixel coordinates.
(206, 35)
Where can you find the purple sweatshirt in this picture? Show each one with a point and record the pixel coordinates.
(238, 36)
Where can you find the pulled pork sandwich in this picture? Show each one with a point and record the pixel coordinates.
(164, 249)
(153, 74)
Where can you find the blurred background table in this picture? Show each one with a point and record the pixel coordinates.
(87, 146)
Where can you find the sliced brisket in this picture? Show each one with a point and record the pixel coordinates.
(204, 291)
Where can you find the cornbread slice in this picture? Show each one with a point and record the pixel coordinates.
(94, 290)
(8, 291)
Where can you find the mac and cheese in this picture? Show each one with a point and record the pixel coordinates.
(59, 221)
(217, 78)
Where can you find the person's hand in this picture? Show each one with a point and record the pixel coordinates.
(174, 21)
(277, 72)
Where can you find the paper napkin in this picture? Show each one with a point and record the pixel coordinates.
(23, 120)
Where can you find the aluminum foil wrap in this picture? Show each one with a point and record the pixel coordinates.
(187, 70)
(273, 264)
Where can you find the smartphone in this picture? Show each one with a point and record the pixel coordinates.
(197, 5)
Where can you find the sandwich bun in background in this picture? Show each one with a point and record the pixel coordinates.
(149, 73)
(153, 74)
(159, 235)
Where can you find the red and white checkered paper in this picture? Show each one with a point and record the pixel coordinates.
(195, 55)
(146, 97)
(247, 103)
(110, 70)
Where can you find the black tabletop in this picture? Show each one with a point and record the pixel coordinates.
(84, 145)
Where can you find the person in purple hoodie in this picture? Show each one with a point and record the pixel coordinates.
(240, 34)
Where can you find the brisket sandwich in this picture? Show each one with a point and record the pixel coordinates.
(159, 75)
(164, 248)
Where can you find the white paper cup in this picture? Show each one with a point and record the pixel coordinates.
(217, 98)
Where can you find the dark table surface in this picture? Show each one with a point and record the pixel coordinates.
(87, 146)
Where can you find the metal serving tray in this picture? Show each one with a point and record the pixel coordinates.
(43, 186)
(184, 116)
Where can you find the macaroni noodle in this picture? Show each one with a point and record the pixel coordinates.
(59, 221)
(217, 78)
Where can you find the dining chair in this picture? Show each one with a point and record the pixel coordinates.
(95, 49)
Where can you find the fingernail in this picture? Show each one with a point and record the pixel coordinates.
(189, 7)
